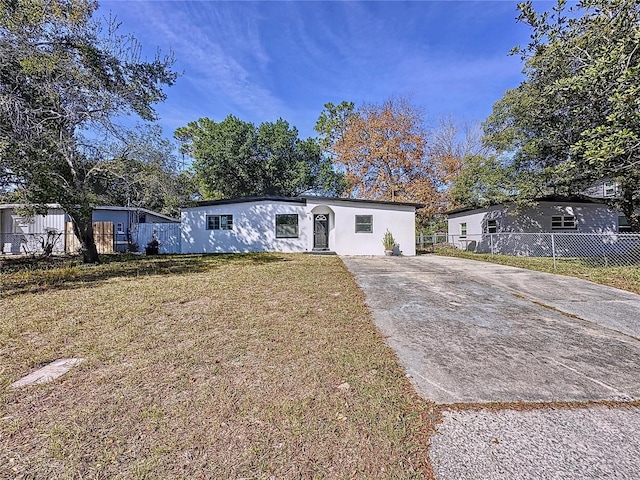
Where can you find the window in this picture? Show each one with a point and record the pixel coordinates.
(219, 222)
(119, 228)
(463, 230)
(287, 225)
(364, 223)
(623, 224)
(563, 222)
(20, 224)
(609, 189)
(492, 226)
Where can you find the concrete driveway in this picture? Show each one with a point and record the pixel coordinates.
(474, 332)
(469, 331)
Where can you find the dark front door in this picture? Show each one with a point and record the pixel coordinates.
(320, 232)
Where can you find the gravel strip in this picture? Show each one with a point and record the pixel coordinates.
(585, 443)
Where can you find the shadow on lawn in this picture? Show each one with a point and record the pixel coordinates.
(28, 275)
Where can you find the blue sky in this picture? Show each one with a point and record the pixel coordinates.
(264, 60)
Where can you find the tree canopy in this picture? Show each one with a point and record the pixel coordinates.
(143, 171)
(575, 119)
(235, 158)
(63, 80)
(383, 149)
(479, 182)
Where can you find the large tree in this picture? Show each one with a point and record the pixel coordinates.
(235, 158)
(383, 149)
(145, 172)
(63, 80)
(479, 182)
(575, 119)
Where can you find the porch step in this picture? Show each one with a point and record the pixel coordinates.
(321, 252)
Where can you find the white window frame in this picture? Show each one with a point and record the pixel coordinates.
(564, 222)
(120, 227)
(609, 189)
(492, 226)
(364, 226)
(463, 230)
(219, 222)
(280, 234)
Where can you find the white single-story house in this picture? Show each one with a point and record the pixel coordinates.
(115, 228)
(297, 224)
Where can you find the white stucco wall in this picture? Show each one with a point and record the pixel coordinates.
(254, 227)
(343, 239)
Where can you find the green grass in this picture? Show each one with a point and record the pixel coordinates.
(623, 277)
(203, 367)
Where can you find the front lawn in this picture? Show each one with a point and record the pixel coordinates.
(623, 277)
(246, 366)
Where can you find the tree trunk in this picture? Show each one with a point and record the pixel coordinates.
(629, 205)
(83, 229)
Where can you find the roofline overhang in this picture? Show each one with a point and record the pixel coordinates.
(302, 200)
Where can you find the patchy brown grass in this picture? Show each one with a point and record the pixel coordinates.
(622, 277)
(201, 367)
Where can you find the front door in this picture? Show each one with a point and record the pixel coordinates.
(320, 232)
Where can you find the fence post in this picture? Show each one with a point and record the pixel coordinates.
(421, 239)
(491, 240)
(553, 250)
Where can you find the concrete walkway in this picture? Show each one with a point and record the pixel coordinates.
(474, 332)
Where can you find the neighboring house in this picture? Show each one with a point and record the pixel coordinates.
(126, 221)
(507, 229)
(114, 229)
(24, 235)
(551, 214)
(604, 189)
(297, 224)
(608, 189)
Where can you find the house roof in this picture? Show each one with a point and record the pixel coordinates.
(138, 209)
(5, 206)
(547, 198)
(302, 200)
(126, 209)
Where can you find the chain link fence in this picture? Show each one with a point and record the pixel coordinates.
(49, 243)
(53, 242)
(589, 248)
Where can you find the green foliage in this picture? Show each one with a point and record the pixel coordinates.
(576, 118)
(332, 123)
(235, 158)
(388, 241)
(63, 81)
(143, 172)
(481, 181)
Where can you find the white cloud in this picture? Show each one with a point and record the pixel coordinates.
(221, 56)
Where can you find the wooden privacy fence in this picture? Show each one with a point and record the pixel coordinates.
(102, 235)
